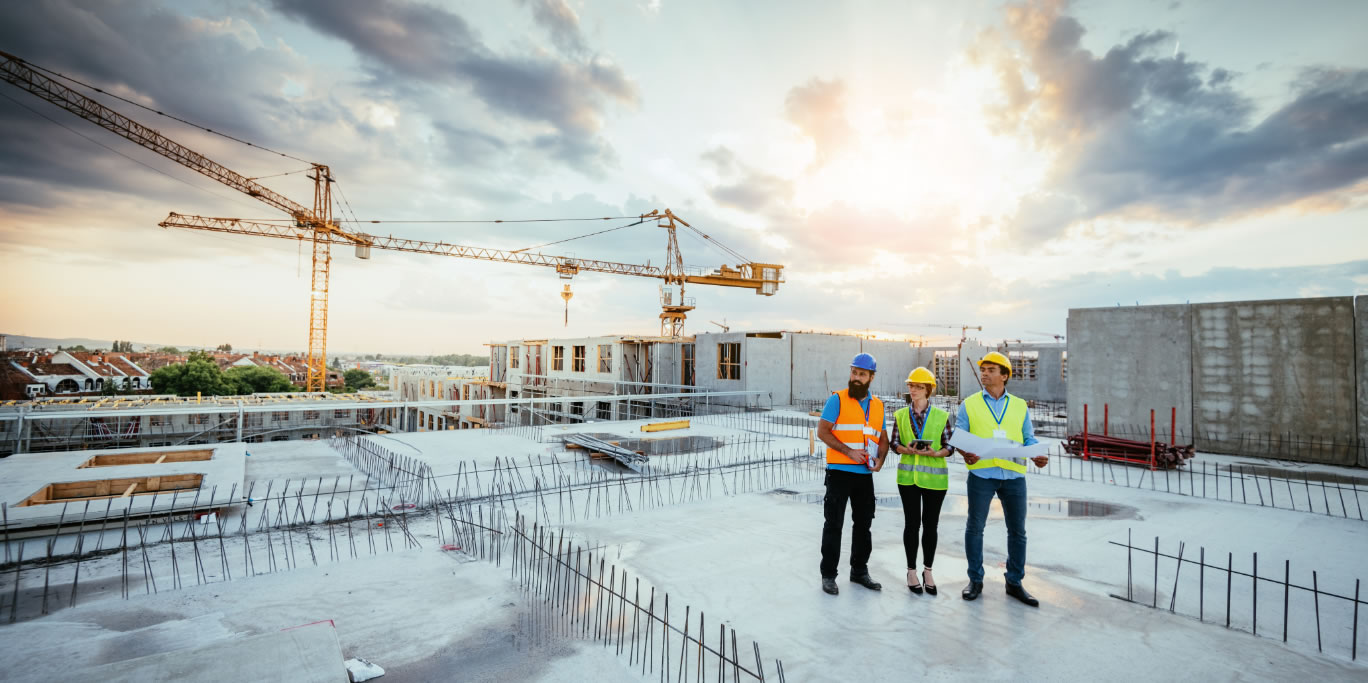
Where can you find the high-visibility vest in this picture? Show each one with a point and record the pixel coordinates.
(855, 429)
(923, 471)
(983, 423)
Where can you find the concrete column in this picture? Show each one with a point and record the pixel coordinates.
(240, 419)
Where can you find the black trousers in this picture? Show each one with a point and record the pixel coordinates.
(858, 489)
(921, 508)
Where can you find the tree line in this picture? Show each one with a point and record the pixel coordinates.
(200, 375)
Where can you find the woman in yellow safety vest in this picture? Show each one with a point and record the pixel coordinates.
(921, 435)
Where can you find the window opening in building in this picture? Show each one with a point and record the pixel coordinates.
(558, 358)
(687, 372)
(729, 360)
(1024, 364)
(578, 362)
(605, 357)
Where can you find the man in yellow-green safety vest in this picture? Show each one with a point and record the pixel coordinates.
(995, 414)
(921, 435)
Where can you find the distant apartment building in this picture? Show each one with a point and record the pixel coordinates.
(29, 375)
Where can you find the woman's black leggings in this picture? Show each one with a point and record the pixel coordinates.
(921, 508)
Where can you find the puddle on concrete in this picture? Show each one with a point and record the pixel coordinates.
(1297, 475)
(666, 446)
(958, 504)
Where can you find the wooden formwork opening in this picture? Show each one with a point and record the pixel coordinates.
(152, 458)
(124, 487)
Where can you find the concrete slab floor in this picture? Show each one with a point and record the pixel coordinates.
(23, 475)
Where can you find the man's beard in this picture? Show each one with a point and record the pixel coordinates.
(857, 390)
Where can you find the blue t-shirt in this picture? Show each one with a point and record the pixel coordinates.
(831, 412)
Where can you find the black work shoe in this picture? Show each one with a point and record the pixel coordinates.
(829, 585)
(1015, 590)
(971, 591)
(867, 581)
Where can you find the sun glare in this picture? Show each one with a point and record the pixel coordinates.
(927, 150)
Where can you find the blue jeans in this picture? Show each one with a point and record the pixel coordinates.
(1012, 493)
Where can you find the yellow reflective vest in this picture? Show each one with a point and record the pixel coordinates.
(983, 423)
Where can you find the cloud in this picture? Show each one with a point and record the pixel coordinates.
(561, 22)
(153, 56)
(430, 45)
(746, 188)
(1142, 131)
(817, 108)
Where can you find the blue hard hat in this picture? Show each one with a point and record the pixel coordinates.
(864, 361)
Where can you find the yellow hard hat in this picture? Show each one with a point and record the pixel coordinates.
(995, 357)
(921, 376)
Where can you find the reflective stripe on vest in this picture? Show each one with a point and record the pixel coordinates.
(852, 429)
(923, 471)
(983, 423)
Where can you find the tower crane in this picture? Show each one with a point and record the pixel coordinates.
(317, 226)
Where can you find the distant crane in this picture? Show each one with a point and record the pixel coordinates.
(317, 225)
(722, 325)
(1057, 337)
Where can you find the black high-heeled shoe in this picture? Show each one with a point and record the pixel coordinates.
(930, 587)
(917, 588)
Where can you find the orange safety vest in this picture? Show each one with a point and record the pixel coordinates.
(855, 429)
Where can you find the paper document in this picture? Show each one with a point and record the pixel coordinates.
(995, 448)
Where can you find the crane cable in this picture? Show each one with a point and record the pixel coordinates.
(571, 239)
(160, 113)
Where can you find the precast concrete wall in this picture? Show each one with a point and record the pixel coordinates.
(1361, 343)
(706, 361)
(769, 368)
(896, 359)
(1268, 376)
(821, 364)
(1048, 384)
(1128, 361)
(970, 353)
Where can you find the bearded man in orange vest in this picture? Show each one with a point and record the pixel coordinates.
(852, 427)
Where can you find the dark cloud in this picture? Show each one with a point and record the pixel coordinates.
(561, 22)
(1142, 131)
(431, 44)
(817, 108)
(213, 72)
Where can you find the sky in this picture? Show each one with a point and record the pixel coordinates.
(916, 166)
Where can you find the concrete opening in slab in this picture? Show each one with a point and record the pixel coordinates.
(153, 458)
(670, 446)
(124, 487)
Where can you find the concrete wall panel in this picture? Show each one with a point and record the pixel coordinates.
(821, 364)
(768, 368)
(1132, 359)
(1269, 372)
(896, 359)
(705, 361)
(1361, 343)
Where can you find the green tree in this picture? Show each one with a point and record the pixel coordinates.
(169, 349)
(254, 379)
(199, 374)
(355, 380)
(225, 348)
(121, 346)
